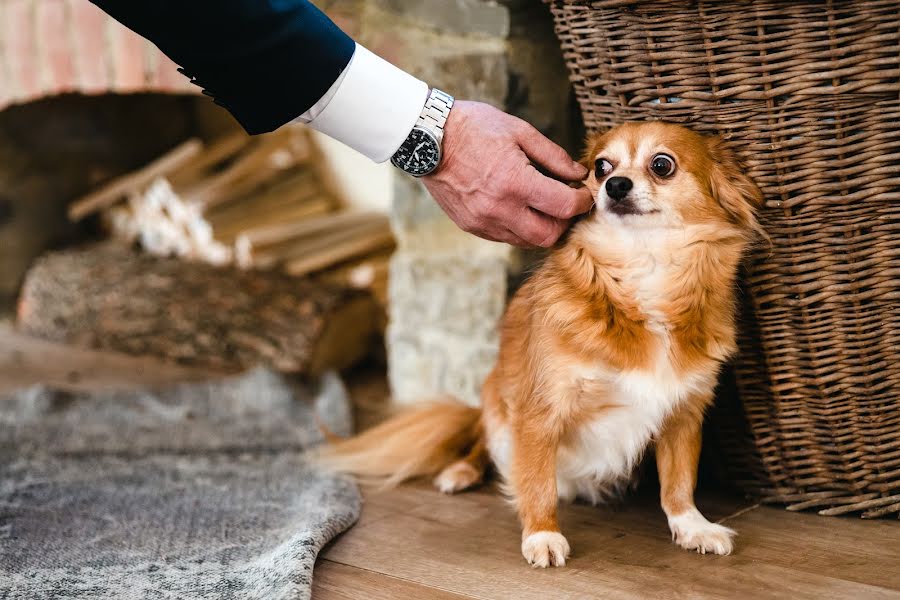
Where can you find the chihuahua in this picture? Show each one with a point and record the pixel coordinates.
(613, 346)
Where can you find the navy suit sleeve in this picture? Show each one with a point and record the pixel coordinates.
(266, 61)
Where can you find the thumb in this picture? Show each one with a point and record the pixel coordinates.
(548, 155)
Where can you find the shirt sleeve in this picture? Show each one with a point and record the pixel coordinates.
(371, 107)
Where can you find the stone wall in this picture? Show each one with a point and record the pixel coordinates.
(448, 289)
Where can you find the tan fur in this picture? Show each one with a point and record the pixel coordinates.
(415, 443)
(621, 331)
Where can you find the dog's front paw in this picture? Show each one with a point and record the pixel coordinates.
(692, 531)
(545, 549)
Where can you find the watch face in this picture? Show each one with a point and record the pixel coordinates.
(419, 154)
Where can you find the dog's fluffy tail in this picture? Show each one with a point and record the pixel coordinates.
(415, 443)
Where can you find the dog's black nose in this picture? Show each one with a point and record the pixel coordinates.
(618, 187)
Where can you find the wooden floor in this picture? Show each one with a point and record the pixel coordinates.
(415, 543)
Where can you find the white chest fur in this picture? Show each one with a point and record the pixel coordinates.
(603, 453)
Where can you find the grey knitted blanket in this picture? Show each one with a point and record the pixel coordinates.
(198, 491)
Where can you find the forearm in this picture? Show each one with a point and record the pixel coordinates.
(266, 62)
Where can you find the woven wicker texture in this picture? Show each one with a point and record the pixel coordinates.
(808, 92)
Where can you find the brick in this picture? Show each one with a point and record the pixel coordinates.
(22, 59)
(90, 46)
(166, 77)
(7, 93)
(53, 28)
(126, 50)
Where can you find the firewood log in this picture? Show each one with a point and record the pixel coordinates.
(292, 190)
(120, 187)
(112, 298)
(252, 246)
(271, 154)
(321, 244)
(216, 152)
(336, 249)
(228, 230)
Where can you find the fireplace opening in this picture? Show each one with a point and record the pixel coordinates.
(53, 150)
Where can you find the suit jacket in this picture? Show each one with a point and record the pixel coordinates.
(266, 61)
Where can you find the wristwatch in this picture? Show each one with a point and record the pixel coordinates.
(420, 154)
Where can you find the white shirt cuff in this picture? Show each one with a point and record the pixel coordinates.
(371, 107)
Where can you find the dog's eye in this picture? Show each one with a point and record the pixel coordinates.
(602, 168)
(663, 165)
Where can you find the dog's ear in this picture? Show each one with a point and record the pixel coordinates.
(732, 187)
(592, 144)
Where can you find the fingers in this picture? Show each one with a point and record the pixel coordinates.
(554, 198)
(503, 236)
(520, 226)
(508, 237)
(537, 229)
(547, 154)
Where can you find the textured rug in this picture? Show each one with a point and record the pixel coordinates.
(197, 491)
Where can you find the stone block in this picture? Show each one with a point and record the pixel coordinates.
(345, 14)
(467, 17)
(447, 288)
(442, 337)
(467, 67)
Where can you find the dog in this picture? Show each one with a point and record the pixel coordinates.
(612, 346)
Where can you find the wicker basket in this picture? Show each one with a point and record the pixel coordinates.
(809, 93)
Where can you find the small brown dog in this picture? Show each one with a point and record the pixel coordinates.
(612, 346)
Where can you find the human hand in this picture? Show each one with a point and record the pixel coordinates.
(488, 184)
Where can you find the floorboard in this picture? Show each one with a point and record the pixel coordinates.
(335, 581)
(469, 545)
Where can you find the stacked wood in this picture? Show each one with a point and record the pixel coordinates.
(111, 297)
(267, 202)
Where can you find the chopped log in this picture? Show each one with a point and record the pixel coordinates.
(316, 243)
(293, 190)
(227, 232)
(216, 152)
(265, 157)
(253, 246)
(118, 188)
(329, 250)
(112, 298)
